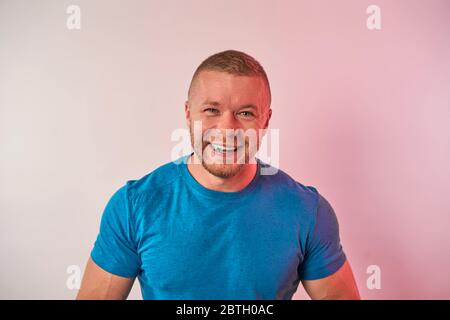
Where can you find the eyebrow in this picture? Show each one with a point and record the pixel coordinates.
(216, 104)
(213, 103)
(248, 106)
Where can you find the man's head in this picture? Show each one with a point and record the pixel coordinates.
(230, 96)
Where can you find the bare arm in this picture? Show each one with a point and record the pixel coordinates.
(339, 286)
(98, 284)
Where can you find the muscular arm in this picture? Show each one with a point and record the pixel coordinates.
(339, 286)
(98, 284)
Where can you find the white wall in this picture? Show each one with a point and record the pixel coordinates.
(363, 116)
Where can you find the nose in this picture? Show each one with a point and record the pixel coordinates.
(227, 124)
(227, 121)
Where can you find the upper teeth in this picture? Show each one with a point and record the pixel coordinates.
(221, 148)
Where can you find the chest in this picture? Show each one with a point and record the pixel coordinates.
(225, 249)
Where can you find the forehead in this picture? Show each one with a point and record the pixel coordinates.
(228, 89)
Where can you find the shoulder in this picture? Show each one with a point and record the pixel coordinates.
(284, 184)
(149, 184)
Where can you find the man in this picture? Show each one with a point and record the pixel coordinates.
(211, 225)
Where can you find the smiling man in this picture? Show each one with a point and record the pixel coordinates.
(211, 225)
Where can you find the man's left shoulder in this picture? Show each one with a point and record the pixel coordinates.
(289, 186)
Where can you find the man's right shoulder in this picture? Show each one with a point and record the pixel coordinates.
(160, 177)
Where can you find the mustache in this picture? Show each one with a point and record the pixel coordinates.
(231, 141)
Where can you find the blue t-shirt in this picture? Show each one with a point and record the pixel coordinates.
(184, 241)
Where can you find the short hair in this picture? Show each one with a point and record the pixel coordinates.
(236, 63)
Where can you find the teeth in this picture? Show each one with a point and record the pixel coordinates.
(220, 148)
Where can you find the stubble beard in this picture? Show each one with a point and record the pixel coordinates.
(222, 170)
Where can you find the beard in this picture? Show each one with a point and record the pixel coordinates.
(222, 166)
(223, 171)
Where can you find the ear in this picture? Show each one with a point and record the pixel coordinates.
(187, 112)
(269, 115)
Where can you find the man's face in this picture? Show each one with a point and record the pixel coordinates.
(232, 111)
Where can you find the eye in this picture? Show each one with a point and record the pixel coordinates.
(210, 110)
(247, 114)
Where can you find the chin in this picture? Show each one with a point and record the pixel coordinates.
(223, 171)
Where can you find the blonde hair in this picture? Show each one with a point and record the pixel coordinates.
(236, 63)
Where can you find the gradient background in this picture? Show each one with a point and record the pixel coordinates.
(363, 116)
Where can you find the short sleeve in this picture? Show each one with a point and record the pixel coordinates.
(323, 254)
(115, 249)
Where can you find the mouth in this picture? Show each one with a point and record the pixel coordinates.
(221, 149)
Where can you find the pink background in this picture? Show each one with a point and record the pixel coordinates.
(363, 116)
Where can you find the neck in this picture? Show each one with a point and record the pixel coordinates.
(232, 184)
